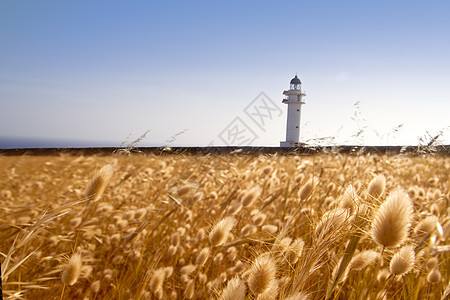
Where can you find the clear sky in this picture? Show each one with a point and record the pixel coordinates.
(99, 70)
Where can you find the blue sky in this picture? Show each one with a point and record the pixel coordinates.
(99, 70)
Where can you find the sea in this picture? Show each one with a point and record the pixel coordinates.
(24, 143)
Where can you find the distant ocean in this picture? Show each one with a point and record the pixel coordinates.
(14, 143)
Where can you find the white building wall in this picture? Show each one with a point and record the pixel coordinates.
(293, 122)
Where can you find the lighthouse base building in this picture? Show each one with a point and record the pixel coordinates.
(294, 101)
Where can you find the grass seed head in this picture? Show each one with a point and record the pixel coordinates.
(190, 289)
(202, 278)
(173, 295)
(382, 275)
(218, 258)
(271, 293)
(259, 219)
(185, 189)
(235, 290)
(75, 222)
(305, 191)
(391, 222)
(238, 267)
(248, 229)
(72, 270)
(158, 293)
(95, 286)
(250, 196)
(349, 199)
(234, 209)
(267, 170)
(270, 229)
(175, 239)
(201, 235)
(377, 186)
(262, 274)
(168, 271)
(432, 262)
(434, 209)
(403, 261)
(129, 215)
(332, 220)
(140, 213)
(219, 233)
(86, 271)
(434, 276)
(180, 251)
(187, 269)
(122, 224)
(181, 230)
(363, 259)
(104, 208)
(425, 227)
(98, 183)
(283, 244)
(295, 250)
(202, 257)
(172, 250)
(157, 280)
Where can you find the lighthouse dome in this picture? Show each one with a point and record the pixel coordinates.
(296, 80)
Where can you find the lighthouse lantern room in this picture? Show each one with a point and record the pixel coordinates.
(294, 101)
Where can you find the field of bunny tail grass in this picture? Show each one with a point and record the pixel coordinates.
(225, 226)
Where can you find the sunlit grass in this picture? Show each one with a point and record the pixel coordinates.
(245, 226)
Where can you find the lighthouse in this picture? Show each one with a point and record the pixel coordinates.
(294, 101)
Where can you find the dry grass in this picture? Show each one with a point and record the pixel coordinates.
(225, 226)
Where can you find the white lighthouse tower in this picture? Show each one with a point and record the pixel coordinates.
(294, 102)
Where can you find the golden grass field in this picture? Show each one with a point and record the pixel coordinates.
(246, 226)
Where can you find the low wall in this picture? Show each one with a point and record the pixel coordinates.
(306, 150)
